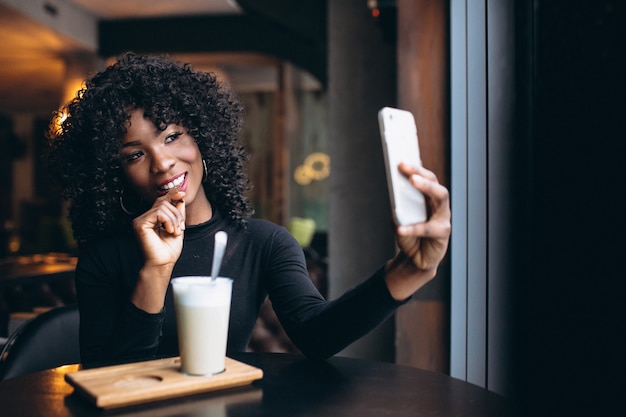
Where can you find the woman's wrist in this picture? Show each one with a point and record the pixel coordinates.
(151, 287)
(403, 278)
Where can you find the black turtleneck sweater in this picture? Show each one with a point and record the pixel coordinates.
(261, 259)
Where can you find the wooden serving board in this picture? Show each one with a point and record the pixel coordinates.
(140, 382)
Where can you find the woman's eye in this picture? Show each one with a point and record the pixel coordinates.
(172, 137)
(132, 156)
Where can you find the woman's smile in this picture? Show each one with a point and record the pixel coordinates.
(179, 182)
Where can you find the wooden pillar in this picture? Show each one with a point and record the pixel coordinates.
(422, 326)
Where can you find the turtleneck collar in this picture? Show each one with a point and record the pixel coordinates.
(198, 231)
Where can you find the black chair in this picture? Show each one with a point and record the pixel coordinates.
(47, 341)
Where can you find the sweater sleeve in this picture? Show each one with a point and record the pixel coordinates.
(318, 327)
(112, 329)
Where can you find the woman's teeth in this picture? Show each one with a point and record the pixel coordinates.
(178, 181)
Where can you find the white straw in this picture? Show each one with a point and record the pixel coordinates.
(218, 253)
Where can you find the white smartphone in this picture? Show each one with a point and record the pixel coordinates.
(399, 138)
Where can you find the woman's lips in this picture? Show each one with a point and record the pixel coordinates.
(179, 182)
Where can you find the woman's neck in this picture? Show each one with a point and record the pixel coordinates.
(198, 212)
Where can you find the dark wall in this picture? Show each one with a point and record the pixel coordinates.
(570, 282)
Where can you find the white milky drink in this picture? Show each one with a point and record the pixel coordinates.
(202, 315)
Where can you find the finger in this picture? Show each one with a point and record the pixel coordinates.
(168, 218)
(409, 170)
(431, 188)
(433, 230)
(426, 173)
(180, 205)
(175, 196)
(172, 203)
(177, 201)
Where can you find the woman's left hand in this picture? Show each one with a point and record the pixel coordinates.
(422, 245)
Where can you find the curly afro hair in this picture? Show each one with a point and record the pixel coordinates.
(82, 155)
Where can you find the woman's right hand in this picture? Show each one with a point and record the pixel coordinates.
(160, 232)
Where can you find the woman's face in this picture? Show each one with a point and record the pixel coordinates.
(155, 162)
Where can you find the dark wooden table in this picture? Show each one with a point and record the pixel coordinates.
(35, 269)
(31, 281)
(292, 386)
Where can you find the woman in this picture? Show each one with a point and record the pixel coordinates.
(148, 158)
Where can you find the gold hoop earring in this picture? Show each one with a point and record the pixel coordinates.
(125, 209)
(205, 177)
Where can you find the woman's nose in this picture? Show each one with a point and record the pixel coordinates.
(162, 161)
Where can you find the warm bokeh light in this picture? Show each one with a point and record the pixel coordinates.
(58, 121)
(14, 243)
(72, 86)
(316, 167)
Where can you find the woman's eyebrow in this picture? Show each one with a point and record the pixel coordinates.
(130, 143)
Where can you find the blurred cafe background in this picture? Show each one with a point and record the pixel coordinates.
(520, 111)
